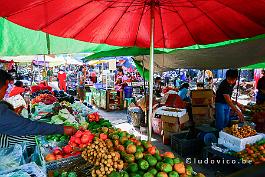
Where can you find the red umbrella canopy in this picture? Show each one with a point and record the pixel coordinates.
(178, 23)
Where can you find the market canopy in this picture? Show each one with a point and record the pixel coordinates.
(255, 66)
(232, 56)
(177, 23)
(36, 59)
(16, 40)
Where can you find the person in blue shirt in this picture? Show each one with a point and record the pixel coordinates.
(184, 92)
(14, 125)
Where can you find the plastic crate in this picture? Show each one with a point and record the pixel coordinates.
(184, 146)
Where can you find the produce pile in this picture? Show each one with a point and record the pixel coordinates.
(258, 116)
(79, 140)
(240, 132)
(44, 98)
(254, 154)
(116, 153)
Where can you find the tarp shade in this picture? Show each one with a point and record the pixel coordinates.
(16, 40)
(143, 73)
(255, 66)
(237, 55)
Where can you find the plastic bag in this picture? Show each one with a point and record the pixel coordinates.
(26, 170)
(11, 157)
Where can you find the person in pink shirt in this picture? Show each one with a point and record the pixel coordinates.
(62, 80)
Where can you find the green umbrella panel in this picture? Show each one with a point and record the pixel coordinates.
(16, 40)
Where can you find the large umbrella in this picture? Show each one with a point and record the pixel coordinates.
(143, 23)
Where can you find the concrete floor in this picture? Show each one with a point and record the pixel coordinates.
(119, 118)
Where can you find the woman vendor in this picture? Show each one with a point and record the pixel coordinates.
(223, 101)
(11, 124)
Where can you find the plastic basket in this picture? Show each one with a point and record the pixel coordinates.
(184, 146)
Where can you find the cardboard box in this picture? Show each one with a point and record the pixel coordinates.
(202, 101)
(202, 119)
(201, 110)
(169, 127)
(175, 120)
(205, 93)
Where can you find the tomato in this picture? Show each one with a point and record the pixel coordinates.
(103, 136)
(85, 139)
(152, 150)
(67, 149)
(78, 134)
(57, 152)
(78, 141)
(58, 157)
(50, 157)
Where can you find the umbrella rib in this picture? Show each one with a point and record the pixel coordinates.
(92, 20)
(118, 20)
(164, 41)
(60, 17)
(239, 13)
(30, 7)
(219, 27)
(184, 24)
(139, 25)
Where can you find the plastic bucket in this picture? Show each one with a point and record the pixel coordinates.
(128, 90)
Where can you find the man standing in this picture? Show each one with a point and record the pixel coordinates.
(223, 101)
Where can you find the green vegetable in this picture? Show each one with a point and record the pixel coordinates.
(143, 164)
(114, 174)
(158, 165)
(72, 174)
(158, 157)
(56, 173)
(64, 174)
(133, 167)
(168, 160)
(176, 160)
(173, 174)
(124, 174)
(151, 160)
(134, 175)
(153, 171)
(166, 168)
(148, 174)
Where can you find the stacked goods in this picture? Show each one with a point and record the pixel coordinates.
(116, 153)
(95, 126)
(240, 132)
(44, 98)
(258, 114)
(253, 153)
(236, 138)
(202, 110)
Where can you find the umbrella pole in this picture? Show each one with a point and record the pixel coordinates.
(238, 84)
(151, 78)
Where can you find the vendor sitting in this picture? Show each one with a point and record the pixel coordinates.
(223, 101)
(15, 125)
(184, 92)
(158, 87)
